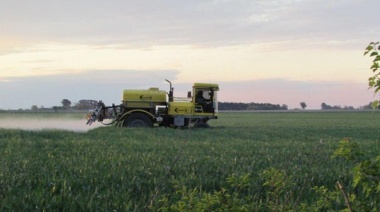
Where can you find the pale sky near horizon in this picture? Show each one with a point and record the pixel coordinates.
(265, 51)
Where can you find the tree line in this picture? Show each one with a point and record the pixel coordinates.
(269, 106)
(250, 106)
(83, 104)
(88, 104)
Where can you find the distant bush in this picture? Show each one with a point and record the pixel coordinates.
(250, 106)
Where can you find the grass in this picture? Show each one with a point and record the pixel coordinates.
(119, 168)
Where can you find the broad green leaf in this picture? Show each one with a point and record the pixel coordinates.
(377, 58)
(375, 66)
(375, 104)
(368, 49)
(357, 176)
(373, 54)
(377, 89)
(371, 84)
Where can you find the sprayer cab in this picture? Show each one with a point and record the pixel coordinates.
(205, 98)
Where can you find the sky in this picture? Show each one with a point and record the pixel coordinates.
(263, 51)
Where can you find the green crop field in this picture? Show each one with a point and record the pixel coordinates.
(123, 169)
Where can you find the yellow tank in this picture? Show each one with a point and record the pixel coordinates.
(144, 98)
(180, 108)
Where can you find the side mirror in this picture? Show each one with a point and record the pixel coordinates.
(189, 94)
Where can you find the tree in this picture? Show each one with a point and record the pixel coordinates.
(34, 107)
(66, 103)
(374, 81)
(85, 104)
(303, 105)
(368, 106)
(324, 106)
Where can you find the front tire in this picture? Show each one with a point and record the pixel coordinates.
(138, 120)
(201, 124)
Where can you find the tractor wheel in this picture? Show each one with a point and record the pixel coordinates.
(138, 120)
(201, 124)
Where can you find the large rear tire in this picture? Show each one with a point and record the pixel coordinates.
(201, 124)
(138, 120)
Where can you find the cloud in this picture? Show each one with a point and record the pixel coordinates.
(49, 37)
(198, 22)
(106, 85)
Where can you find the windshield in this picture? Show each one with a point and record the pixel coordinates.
(207, 98)
(215, 101)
